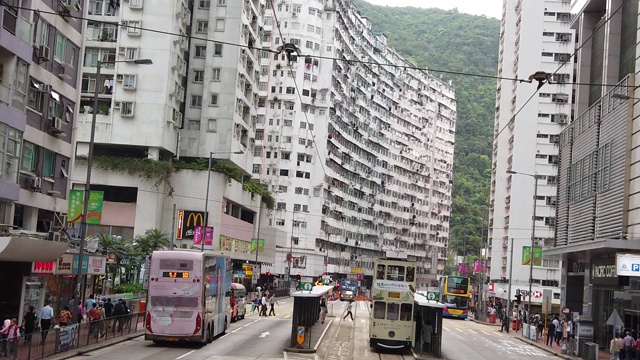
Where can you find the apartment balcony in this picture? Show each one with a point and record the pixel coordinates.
(15, 35)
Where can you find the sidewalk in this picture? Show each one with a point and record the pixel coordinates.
(540, 344)
(89, 348)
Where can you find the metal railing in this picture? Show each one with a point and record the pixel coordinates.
(39, 344)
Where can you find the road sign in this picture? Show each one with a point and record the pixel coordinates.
(357, 270)
(433, 295)
(566, 311)
(306, 286)
(546, 300)
(300, 335)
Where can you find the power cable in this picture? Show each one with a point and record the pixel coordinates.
(409, 67)
(575, 52)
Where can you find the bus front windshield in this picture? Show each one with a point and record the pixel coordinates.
(456, 302)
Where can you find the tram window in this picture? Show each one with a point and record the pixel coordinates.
(379, 308)
(380, 272)
(411, 271)
(395, 273)
(405, 312)
(392, 311)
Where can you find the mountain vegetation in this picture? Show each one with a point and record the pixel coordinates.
(458, 44)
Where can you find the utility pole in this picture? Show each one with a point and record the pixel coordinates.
(509, 291)
(258, 247)
(533, 241)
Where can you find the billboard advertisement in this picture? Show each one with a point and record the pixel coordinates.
(188, 220)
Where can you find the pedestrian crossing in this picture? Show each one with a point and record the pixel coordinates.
(473, 331)
(497, 341)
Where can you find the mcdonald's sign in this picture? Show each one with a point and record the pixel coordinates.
(187, 221)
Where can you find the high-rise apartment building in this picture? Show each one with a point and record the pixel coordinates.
(139, 107)
(40, 44)
(356, 144)
(534, 37)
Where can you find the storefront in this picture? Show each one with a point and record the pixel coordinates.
(608, 293)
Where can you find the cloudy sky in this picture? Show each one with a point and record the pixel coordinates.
(491, 8)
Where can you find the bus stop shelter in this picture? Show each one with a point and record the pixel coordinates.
(306, 312)
(428, 320)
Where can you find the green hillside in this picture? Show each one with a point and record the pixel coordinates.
(456, 42)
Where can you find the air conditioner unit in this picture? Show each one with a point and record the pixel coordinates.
(119, 77)
(56, 124)
(562, 58)
(62, 75)
(124, 24)
(43, 52)
(562, 119)
(177, 121)
(116, 104)
(294, 14)
(122, 50)
(36, 183)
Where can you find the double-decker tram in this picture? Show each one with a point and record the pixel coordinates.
(188, 297)
(455, 293)
(393, 289)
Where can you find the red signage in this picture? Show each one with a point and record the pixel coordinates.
(43, 267)
(536, 294)
(491, 287)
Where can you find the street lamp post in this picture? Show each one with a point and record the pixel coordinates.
(533, 233)
(80, 280)
(206, 199)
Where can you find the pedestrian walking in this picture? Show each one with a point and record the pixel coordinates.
(263, 308)
(323, 310)
(12, 337)
(272, 302)
(255, 304)
(46, 316)
(4, 331)
(29, 321)
(614, 348)
(628, 346)
(118, 313)
(551, 330)
(349, 313)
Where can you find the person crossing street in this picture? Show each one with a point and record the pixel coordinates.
(272, 302)
(349, 313)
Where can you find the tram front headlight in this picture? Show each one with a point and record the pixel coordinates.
(392, 334)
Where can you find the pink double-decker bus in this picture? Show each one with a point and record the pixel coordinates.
(188, 296)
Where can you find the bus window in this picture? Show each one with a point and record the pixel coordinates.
(405, 312)
(410, 273)
(392, 311)
(379, 309)
(395, 273)
(380, 272)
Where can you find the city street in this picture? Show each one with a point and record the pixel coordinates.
(265, 338)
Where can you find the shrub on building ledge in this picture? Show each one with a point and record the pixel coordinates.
(161, 171)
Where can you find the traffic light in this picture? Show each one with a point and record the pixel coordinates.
(518, 298)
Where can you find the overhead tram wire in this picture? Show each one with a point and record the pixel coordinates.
(409, 67)
(565, 63)
(295, 83)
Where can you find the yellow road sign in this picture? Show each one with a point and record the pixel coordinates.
(357, 270)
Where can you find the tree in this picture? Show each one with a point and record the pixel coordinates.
(152, 240)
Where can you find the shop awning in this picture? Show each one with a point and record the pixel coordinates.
(15, 248)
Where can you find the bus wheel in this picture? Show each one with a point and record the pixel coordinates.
(210, 334)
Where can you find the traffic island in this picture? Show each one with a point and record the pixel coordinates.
(306, 332)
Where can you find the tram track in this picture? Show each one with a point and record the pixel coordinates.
(342, 343)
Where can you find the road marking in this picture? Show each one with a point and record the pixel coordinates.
(287, 316)
(473, 331)
(189, 353)
(235, 330)
(459, 330)
(224, 336)
(246, 325)
(485, 332)
(446, 328)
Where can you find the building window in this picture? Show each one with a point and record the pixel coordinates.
(222, 2)
(256, 169)
(212, 125)
(282, 188)
(284, 172)
(202, 27)
(201, 51)
(128, 81)
(281, 206)
(29, 157)
(297, 207)
(131, 54)
(36, 96)
(204, 4)
(196, 101)
(193, 125)
(296, 240)
(48, 170)
(280, 222)
(219, 24)
(198, 76)
(127, 108)
(215, 74)
(214, 100)
(60, 49)
(133, 27)
(42, 38)
(135, 4)
(217, 50)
